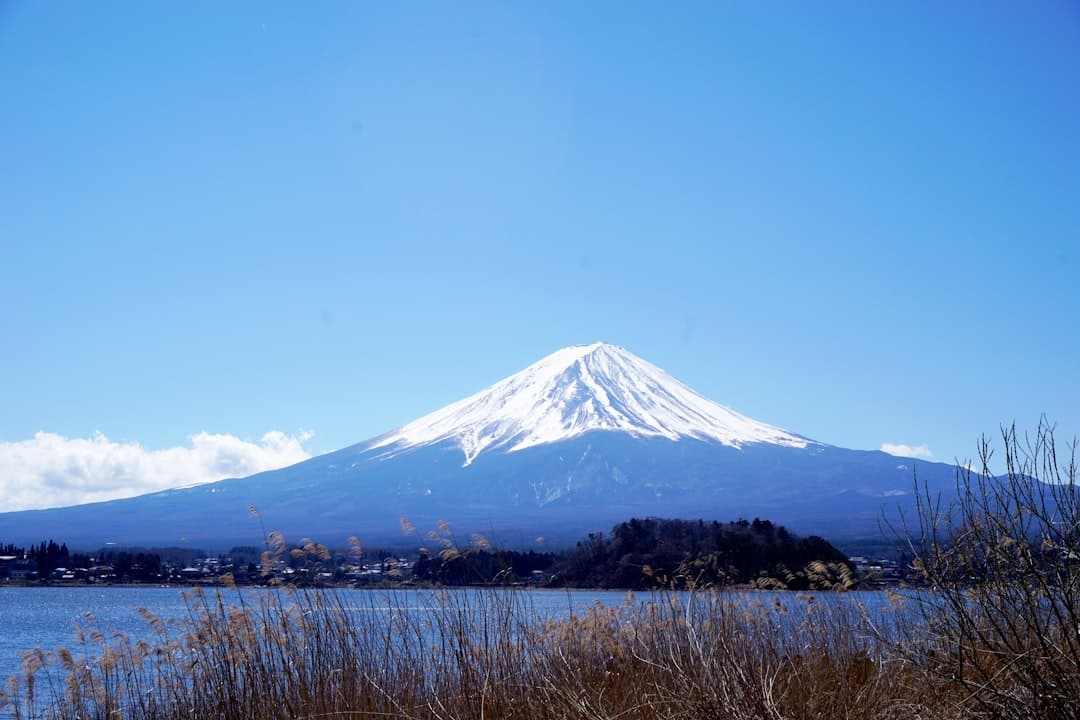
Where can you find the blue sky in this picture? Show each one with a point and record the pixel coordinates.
(858, 221)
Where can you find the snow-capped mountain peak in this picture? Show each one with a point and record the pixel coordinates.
(576, 390)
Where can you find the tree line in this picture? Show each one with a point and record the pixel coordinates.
(657, 553)
(46, 556)
(639, 553)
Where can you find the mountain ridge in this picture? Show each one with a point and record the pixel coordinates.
(584, 438)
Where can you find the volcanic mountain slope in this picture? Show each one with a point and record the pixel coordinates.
(588, 436)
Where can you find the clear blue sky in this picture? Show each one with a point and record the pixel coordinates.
(859, 221)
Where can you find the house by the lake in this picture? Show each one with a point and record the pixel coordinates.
(13, 567)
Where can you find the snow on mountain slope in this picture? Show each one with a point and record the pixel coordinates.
(577, 390)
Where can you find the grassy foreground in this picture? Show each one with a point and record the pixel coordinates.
(304, 654)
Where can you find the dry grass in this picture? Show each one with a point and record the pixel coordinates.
(487, 654)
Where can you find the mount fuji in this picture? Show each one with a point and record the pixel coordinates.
(586, 437)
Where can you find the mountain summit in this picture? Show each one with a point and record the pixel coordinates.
(574, 391)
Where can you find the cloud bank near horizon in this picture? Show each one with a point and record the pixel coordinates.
(51, 470)
(909, 451)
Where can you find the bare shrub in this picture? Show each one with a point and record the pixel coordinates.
(1000, 617)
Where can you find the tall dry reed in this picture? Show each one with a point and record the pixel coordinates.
(482, 654)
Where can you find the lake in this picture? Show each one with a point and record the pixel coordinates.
(47, 617)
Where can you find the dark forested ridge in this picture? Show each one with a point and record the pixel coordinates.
(657, 553)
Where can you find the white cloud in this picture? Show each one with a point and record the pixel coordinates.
(911, 451)
(50, 470)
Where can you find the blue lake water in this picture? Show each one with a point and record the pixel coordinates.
(47, 618)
